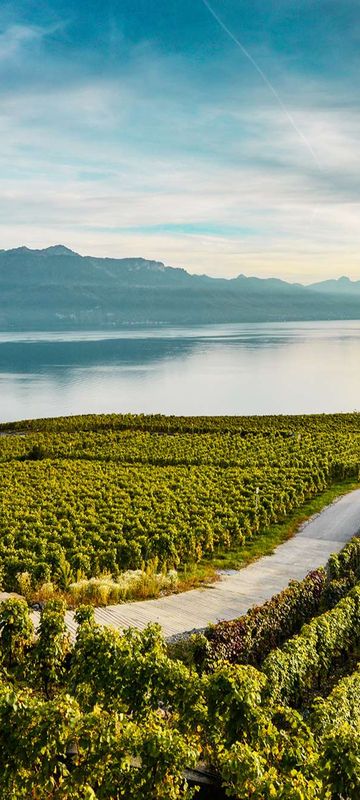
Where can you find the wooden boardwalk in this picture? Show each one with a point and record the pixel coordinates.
(238, 590)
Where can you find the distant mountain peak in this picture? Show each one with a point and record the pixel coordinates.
(53, 250)
(22, 249)
(340, 286)
(58, 250)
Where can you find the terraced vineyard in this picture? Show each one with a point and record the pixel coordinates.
(269, 702)
(86, 495)
(119, 715)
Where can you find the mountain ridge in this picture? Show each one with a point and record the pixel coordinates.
(343, 285)
(55, 287)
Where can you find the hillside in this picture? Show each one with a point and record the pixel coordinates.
(56, 288)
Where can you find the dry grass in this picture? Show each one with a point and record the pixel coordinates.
(104, 590)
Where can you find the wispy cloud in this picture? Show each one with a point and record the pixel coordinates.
(17, 39)
(147, 157)
(14, 38)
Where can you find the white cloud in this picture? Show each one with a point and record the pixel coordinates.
(87, 160)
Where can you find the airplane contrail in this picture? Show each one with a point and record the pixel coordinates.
(264, 78)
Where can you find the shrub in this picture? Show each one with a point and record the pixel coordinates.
(309, 658)
(250, 638)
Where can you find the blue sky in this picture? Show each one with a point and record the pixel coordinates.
(222, 142)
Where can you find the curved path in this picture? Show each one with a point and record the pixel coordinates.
(237, 590)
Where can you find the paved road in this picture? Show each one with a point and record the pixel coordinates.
(237, 590)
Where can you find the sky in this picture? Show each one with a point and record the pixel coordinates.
(220, 136)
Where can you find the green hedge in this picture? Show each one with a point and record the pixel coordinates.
(309, 658)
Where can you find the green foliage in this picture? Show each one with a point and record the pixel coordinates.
(16, 631)
(113, 716)
(36, 453)
(263, 774)
(158, 423)
(348, 560)
(341, 761)
(133, 672)
(234, 699)
(261, 750)
(51, 647)
(341, 705)
(64, 575)
(116, 492)
(194, 651)
(112, 756)
(309, 658)
(84, 614)
(33, 742)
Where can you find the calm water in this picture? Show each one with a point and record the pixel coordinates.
(221, 369)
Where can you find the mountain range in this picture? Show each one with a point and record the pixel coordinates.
(58, 289)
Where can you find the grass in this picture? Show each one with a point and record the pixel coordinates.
(140, 584)
(264, 543)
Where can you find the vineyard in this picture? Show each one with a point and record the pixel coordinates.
(81, 497)
(120, 715)
(269, 702)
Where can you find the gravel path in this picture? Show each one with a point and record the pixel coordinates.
(237, 590)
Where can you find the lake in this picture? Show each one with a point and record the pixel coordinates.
(274, 368)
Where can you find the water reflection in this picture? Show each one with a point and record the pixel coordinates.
(234, 369)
